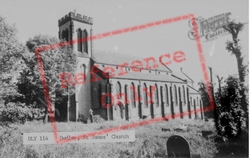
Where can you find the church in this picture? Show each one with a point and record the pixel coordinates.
(123, 87)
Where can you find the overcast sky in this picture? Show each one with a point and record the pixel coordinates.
(33, 17)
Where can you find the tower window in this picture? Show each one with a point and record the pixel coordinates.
(79, 40)
(85, 42)
(65, 35)
(82, 43)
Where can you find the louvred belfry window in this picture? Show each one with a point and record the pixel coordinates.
(85, 42)
(79, 40)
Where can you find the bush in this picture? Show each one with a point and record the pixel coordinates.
(14, 112)
(82, 118)
(229, 114)
(98, 119)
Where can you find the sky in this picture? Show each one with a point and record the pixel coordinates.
(33, 17)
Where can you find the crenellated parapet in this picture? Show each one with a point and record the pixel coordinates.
(75, 16)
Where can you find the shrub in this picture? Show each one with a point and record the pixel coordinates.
(14, 112)
(98, 119)
(230, 116)
(82, 118)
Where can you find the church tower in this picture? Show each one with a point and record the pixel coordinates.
(76, 29)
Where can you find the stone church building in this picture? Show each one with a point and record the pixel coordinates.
(118, 86)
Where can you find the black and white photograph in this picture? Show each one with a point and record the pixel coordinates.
(124, 79)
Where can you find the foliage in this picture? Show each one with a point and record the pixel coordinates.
(10, 61)
(228, 113)
(14, 112)
(234, 47)
(82, 118)
(11, 64)
(56, 57)
(20, 78)
(150, 140)
(98, 119)
(231, 120)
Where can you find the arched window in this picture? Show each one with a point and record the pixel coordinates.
(188, 103)
(187, 92)
(132, 95)
(195, 114)
(118, 90)
(175, 95)
(161, 95)
(79, 40)
(179, 94)
(166, 95)
(85, 42)
(83, 69)
(156, 96)
(145, 96)
(126, 94)
(184, 95)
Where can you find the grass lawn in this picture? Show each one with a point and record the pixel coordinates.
(150, 141)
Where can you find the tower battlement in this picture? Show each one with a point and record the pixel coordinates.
(77, 17)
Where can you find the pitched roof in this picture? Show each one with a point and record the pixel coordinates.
(149, 77)
(118, 59)
(182, 76)
(192, 90)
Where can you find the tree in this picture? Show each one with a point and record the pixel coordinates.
(10, 65)
(57, 57)
(230, 114)
(10, 61)
(233, 46)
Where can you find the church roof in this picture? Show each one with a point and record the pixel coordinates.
(181, 75)
(149, 77)
(192, 90)
(118, 59)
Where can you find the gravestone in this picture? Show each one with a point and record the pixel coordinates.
(206, 134)
(178, 147)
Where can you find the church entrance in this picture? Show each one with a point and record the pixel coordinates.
(61, 108)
